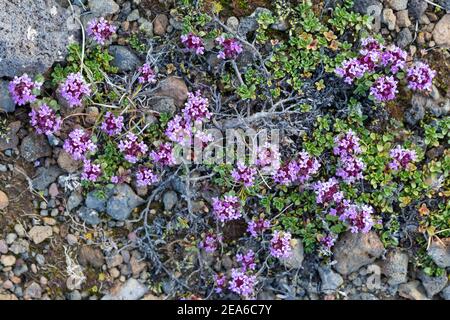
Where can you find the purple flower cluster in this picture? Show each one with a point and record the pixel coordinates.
(258, 226)
(74, 89)
(242, 283)
(78, 144)
(350, 169)
(370, 44)
(112, 125)
(350, 70)
(268, 158)
(280, 244)
(91, 172)
(328, 241)
(231, 48)
(193, 43)
(44, 120)
(227, 209)
(401, 158)
(145, 177)
(196, 107)
(179, 130)
(384, 88)
(220, 282)
(358, 217)
(328, 191)
(395, 58)
(121, 177)
(21, 89)
(147, 75)
(210, 242)
(247, 260)
(131, 148)
(299, 170)
(100, 30)
(244, 174)
(163, 155)
(420, 77)
(346, 144)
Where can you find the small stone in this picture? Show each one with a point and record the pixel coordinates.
(94, 201)
(20, 230)
(124, 59)
(114, 273)
(416, 113)
(20, 246)
(114, 261)
(296, 259)
(49, 221)
(53, 190)
(433, 285)
(173, 87)
(441, 32)
(3, 247)
(10, 238)
(46, 176)
(35, 146)
(74, 200)
(163, 105)
(4, 201)
(71, 239)
(160, 24)
(89, 255)
(170, 199)
(40, 259)
(133, 16)
(233, 23)
(132, 289)
(146, 27)
(439, 251)
(33, 291)
(403, 19)
(398, 5)
(101, 8)
(8, 261)
(389, 19)
(330, 280)
(417, 8)
(40, 233)
(6, 102)
(66, 162)
(412, 290)
(90, 216)
(404, 38)
(92, 115)
(137, 266)
(395, 267)
(124, 200)
(445, 294)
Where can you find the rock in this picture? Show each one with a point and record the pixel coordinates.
(398, 5)
(414, 114)
(3, 247)
(71, 239)
(330, 280)
(170, 199)
(53, 190)
(7, 297)
(404, 38)
(101, 8)
(92, 114)
(433, 285)
(417, 8)
(296, 259)
(160, 24)
(445, 4)
(146, 27)
(124, 200)
(8, 261)
(412, 290)
(130, 290)
(124, 59)
(93, 201)
(137, 266)
(35, 146)
(395, 267)
(40, 233)
(114, 261)
(45, 177)
(355, 250)
(33, 291)
(441, 32)
(164, 105)
(445, 294)
(4, 201)
(403, 19)
(20, 246)
(6, 102)
(247, 25)
(90, 256)
(175, 88)
(389, 19)
(74, 200)
(367, 6)
(90, 216)
(134, 15)
(34, 34)
(233, 23)
(439, 251)
(12, 139)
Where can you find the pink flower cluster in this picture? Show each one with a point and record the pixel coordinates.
(220, 282)
(131, 148)
(395, 58)
(328, 192)
(258, 226)
(193, 43)
(112, 125)
(100, 30)
(196, 107)
(346, 144)
(280, 244)
(147, 75)
(350, 70)
(145, 177)
(163, 155)
(210, 242)
(244, 174)
(247, 260)
(420, 77)
(268, 159)
(227, 209)
(21, 89)
(44, 120)
(179, 130)
(231, 48)
(78, 144)
(242, 284)
(328, 241)
(74, 89)
(350, 169)
(358, 218)
(401, 158)
(384, 88)
(91, 172)
(299, 170)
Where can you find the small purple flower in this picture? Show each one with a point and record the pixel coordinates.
(395, 58)
(350, 169)
(268, 158)
(420, 77)
(280, 244)
(147, 74)
(328, 241)
(21, 89)
(221, 282)
(163, 155)
(74, 89)
(145, 177)
(78, 144)
(359, 218)
(258, 226)
(122, 177)
(384, 88)
(193, 43)
(210, 242)
(401, 158)
(91, 172)
(247, 260)
(370, 60)
(196, 107)
(346, 144)
(44, 120)
(242, 283)
(244, 174)
(131, 148)
(227, 209)
(351, 69)
(179, 130)
(203, 137)
(370, 44)
(287, 173)
(328, 191)
(300, 170)
(100, 30)
(231, 48)
(112, 125)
